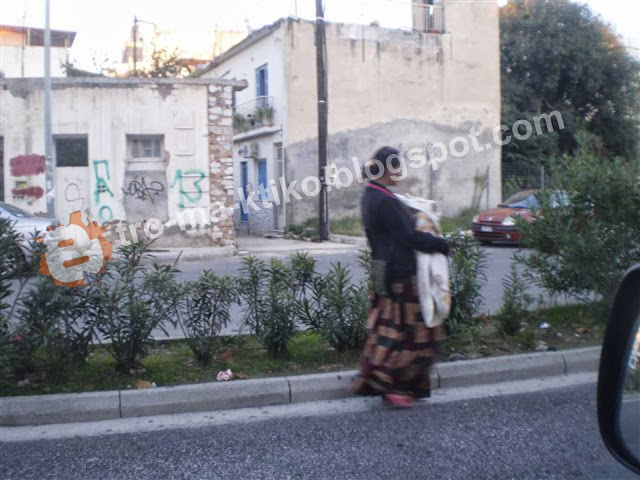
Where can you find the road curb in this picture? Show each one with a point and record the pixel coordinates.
(203, 397)
(500, 369)
(82, 407)
(59, 408)
(187, 256)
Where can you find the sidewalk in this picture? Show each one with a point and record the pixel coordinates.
(246, 245)
(94, 406)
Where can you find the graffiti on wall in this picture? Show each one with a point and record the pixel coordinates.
(23, 191)
(27, 166)
(188, 184)
(102, 181)
(73, 193)
(139, 189)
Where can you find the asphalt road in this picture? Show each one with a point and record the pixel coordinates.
(499, 260)
(550, 434)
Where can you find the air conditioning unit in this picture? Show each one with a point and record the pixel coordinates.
(255, 149)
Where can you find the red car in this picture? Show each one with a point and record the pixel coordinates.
(499, 224)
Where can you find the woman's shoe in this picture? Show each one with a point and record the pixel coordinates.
(397, 400)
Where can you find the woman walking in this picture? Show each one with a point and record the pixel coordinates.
(399, 347)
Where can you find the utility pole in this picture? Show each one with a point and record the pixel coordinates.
(48, 147)
(135, 44)
(321, 75)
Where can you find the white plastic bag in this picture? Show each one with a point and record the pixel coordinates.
(432, 268)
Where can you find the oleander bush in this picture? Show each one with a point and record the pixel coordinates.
(467, 276)
(129, 303)
(337, 309)
(267, 289)
(204, 308)
(515, 304)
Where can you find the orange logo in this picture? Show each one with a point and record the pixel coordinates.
(74, 250)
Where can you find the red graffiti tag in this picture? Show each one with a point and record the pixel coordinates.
(35, 192)
(22, 165)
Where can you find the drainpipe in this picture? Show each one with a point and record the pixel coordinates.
(48, 150)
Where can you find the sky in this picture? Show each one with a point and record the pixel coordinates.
(103, 26)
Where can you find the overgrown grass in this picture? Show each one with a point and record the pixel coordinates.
(462, 221)
(351, 226)
(569, 326)
(308, 229)
(173, 363)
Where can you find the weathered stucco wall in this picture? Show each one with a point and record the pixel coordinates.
(404, 89)
(192, 119)
(28, 61)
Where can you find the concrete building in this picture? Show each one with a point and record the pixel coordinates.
(22, 51)
(405, 88)
(125, 150)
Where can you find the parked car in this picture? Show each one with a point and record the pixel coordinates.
(25, 223)
(499, 224)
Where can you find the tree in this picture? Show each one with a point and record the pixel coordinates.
(581, 247)
(164, 64)
(557, 55)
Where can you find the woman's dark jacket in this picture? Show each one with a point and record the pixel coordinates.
(392, 235)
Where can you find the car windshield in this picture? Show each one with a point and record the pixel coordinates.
(374, 194)
(526, 199)
(15, 211)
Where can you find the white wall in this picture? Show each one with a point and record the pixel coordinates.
(17, 61)
(242, 66)
(107, 112)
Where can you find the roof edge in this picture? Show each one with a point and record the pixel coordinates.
(253, 38)
(123, 82)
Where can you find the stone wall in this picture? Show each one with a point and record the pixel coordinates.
(221, 161)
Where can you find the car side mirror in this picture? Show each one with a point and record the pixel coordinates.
(619, 375)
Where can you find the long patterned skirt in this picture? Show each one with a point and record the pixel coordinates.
(399, 348)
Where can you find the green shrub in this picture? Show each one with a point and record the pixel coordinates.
(270, 302)
(252, 289)
(128, 302)
(303, 269)
(15, 265)
(54, 335)
(337, 309)
(515, 304)
(527, 338)
(279, 308)
(583, 248)
(205, 308)
(310, 229)
(467, 275)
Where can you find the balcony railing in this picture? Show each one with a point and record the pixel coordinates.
(255, 113)
(428, 18)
